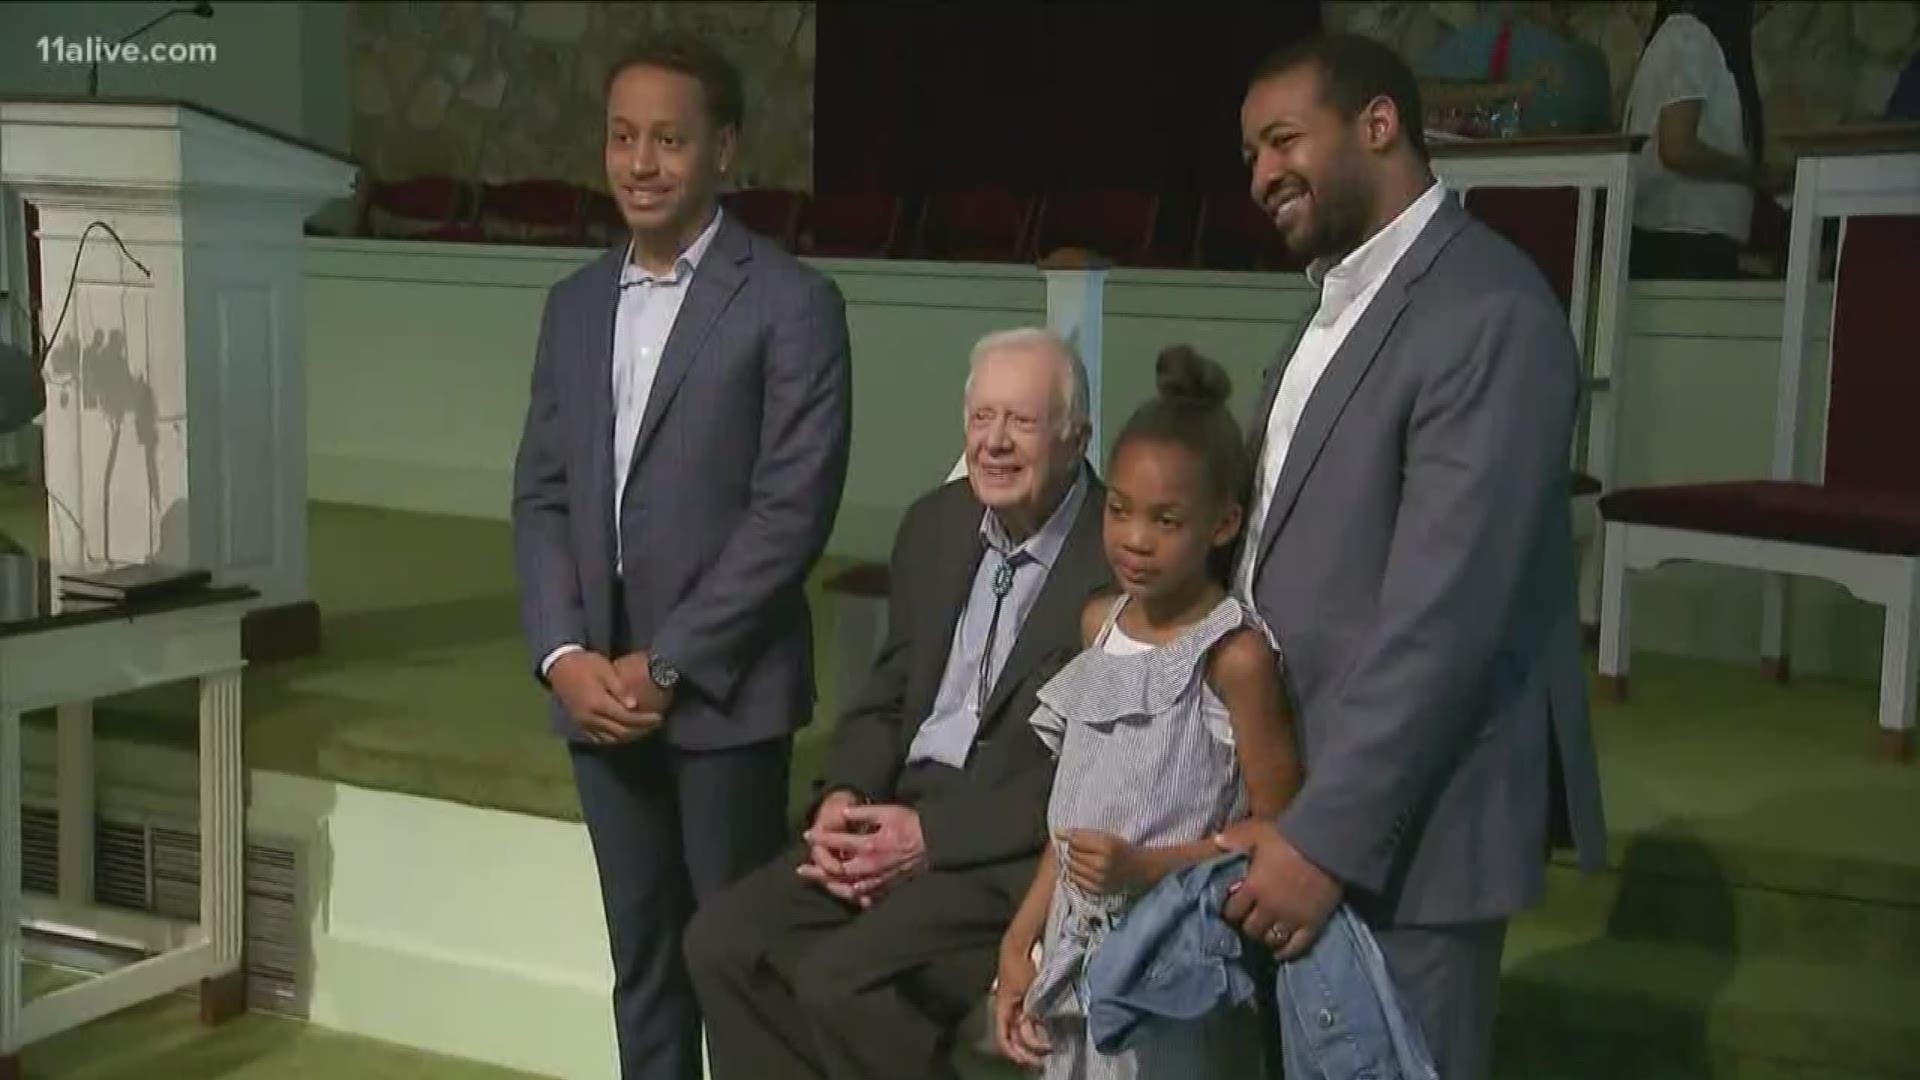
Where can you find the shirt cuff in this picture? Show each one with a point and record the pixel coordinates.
(547, 664)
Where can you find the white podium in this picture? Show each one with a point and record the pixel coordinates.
(176, 414)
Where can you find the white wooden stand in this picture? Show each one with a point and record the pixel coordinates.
(67, 662)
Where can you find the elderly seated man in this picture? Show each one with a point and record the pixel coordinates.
(859, 952)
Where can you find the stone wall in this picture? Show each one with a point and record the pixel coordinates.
(503, 91)
(510, 91)
(1819, 62)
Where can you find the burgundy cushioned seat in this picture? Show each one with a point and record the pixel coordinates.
(977, 225)
(851, 224)
(1870, 500)
(1543, 222)
(1855, 519)
(774, 213)
(1115, 223)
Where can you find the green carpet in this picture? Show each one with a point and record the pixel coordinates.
(163, 1040)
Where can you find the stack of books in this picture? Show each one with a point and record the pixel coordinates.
(136, 584)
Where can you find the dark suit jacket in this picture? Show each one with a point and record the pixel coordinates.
(994, 812)
(1418, 571)
(737, 475)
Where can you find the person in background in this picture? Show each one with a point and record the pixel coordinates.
(1695, 97)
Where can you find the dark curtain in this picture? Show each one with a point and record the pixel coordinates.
(911, 97)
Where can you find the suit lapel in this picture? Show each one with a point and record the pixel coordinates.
(1076, 572)
(715, 282)
(602, 304)
(1348, 366)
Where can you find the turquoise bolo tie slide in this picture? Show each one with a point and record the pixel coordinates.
(1003, 578)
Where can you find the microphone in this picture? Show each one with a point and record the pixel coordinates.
(202, 10)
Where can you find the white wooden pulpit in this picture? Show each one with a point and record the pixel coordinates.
(175, 428)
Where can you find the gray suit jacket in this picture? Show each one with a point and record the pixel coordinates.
(1418, 571)
(737, 476)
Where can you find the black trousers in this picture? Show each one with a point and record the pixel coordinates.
(1450, 979)
(1679, 256)
(795, 984)
(670, 828)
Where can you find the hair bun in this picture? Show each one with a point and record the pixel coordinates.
(1184, 375)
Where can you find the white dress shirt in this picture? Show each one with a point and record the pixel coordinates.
(642, 323)
(1684, 62)
(1345, 291)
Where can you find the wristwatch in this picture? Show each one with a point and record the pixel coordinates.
(663, 673)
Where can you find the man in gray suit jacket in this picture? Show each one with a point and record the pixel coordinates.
(1410, 544)
(685, 449)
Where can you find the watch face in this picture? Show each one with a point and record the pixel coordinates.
(662, 673)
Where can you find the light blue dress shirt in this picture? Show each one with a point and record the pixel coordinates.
(643, 321)
(947, 735)
(649, 306)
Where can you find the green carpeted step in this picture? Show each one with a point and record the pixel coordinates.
(1691, 1005)
(1560, 1057)
(1778, 783)
(1716, 916)
(162, 1040)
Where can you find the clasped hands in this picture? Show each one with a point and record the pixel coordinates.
(613, 701)
(859, 851)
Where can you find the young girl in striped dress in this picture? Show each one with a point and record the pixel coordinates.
(1170, 726)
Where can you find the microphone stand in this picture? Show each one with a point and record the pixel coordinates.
(204, 11)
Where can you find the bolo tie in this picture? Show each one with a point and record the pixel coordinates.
(1002, 585)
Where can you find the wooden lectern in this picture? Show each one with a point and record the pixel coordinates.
(176, 400)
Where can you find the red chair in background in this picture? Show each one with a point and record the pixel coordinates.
(600, 220)
(1115, 223)
(420, 208)
(1543, 222)
(851, 225)
(1859, 523)
(533, 212)
(976, 225)
(774, 213)
(1176, 223)
(1233, 234)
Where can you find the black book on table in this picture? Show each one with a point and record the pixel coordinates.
(142, 581)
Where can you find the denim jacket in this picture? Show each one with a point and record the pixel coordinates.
(1172, 956)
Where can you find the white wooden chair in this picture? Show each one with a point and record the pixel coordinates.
(1858, 523)
(1514, 185)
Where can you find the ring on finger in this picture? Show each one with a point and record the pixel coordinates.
(1277, 934)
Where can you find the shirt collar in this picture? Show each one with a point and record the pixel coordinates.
(631, 272)
(1045, 544)
(1371, 262)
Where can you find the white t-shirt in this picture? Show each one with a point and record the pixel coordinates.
(1684, 62)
